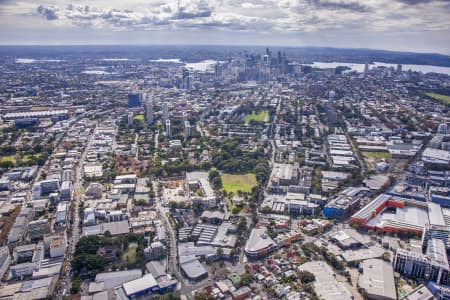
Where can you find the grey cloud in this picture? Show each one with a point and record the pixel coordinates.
(336, 5)
(415, 2)
(191, 15)
(50, 12)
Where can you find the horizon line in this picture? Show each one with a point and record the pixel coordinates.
(218, 45)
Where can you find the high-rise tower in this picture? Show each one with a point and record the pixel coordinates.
(149, 108)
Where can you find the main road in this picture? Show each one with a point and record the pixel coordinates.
(74, 230)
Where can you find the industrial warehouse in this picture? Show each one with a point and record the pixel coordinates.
(397, 214)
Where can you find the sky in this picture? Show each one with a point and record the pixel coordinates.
(406, 25)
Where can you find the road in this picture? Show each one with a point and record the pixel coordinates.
(74, 233)
(156, 142)
(356, 152)
(136, 138)
(172, 258)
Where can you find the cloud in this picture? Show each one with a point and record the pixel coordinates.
(50, 12)
(263, 16)
(415, 2)
(336, 5)
(191, 15)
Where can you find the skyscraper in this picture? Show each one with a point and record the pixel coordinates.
(168, 129)
(149, 108)
(366, 69)
(165, 113)
(186, 79)
(134, 100)
(130, 118)
(187, 129)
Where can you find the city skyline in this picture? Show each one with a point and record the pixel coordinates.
(402, 25)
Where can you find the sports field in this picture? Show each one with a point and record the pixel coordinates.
(378, 155)
(443, 98)
(262, 116)
(234, 183)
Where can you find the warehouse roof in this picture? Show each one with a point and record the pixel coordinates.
(377, 279)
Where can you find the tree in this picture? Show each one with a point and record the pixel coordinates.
(217, 183)
(306, 277)
(76, 283)
(213, 173)
(246, 278)
(266, 210)
(203, 296)
(386, 256)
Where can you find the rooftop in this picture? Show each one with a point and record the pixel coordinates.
(377, 279)
(326, 285)
(138, 285)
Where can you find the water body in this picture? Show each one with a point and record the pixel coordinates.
(167, 60)
(360, 67)
(115, 59)
(32, 60)
(201, 66)
(95, 72)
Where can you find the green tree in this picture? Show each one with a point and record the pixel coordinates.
(306, 276)
(76, 284)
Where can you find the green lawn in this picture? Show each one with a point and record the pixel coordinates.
(139, 117)
(9, 158)
(443, 98)
(378, 155)
(235, 183)
(262, 116)
(130, 253)
(27, 158)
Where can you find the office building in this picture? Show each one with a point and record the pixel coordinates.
(62, 214)
(37, 229)
(149, 108)
(435, 231)
(366, 69)
(130, 119)
(186, 80)
(168, 129)
(431, 266)
(187, 129)
(45, 187)
(259, 244)
(165, 113)
(345, 203)
(155, 251)
(66, 191)
(134, 100)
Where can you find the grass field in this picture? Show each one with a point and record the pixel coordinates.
(235, 183)
(378, 155)
(9, 158)
(130, 255)
(443, 98)
(26, 158)
(262, 116)
(139, 117)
